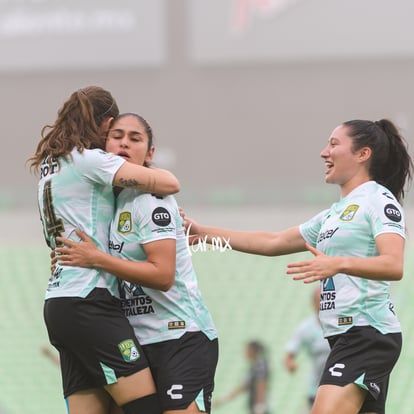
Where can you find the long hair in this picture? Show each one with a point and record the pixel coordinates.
(391, 164)
(77, 125)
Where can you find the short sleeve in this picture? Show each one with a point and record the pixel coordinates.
(386, 216)
(98, 166)
(310, 229)
(155, 217)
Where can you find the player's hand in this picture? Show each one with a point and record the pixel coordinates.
(53, 261)
(319, 268)
(191, 227)
(290, 363)
(77, 253)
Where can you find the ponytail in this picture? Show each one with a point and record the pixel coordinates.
(390, 164)
(78, 125)
(398, 168)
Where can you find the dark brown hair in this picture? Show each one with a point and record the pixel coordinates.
(391, 164)
(77, 125)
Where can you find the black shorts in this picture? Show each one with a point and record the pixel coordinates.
(95, 341)
(183, 370)
(366, 357)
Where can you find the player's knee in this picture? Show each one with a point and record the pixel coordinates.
(150, 404)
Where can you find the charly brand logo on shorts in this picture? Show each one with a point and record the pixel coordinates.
(392, 212)
(349, 212)
(128, 350)
(220, 244)
(172, 392)
(375, 387)
(124, 222)
(161, 217)
(334, 372)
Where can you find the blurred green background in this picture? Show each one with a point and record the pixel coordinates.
(249, 296)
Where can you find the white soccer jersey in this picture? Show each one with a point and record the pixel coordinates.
(349, 228)
(156, 315)
(78, 196)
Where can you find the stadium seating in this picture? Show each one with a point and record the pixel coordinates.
(250, 297)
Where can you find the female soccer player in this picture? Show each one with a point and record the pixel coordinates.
(99, 353)
(358, 248)
(158, 284)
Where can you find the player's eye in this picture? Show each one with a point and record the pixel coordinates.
(115, 136)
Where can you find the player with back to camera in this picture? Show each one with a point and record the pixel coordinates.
(358, 249)
(158, 283)
(99, 353)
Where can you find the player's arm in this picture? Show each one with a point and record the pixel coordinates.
(387, 265)
(261, 243)
(151, 180)
(290, 362)
(219, 401)
(157, 272)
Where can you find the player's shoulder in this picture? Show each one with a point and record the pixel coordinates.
(88, 153)
(382, 197)
(157, 199)
(94, 158)
(154, 201)
(374, 191)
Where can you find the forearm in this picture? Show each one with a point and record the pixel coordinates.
(384, 267)
(147, 274)
(152, 180)
(236, 392)
(260, 243)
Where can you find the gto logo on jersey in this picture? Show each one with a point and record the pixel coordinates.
(336, 373)
(128, 350)
(392, 212)
(173, 395)
(349, 212)
(161, 217)
(124, 222)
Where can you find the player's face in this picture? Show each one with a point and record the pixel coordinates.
(128, 138)
(250, 354)
(342, 165)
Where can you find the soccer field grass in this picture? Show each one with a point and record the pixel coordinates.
(250, 297)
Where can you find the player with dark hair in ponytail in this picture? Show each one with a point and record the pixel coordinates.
(358, 249)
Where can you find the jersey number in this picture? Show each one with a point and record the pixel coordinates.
(53, 225)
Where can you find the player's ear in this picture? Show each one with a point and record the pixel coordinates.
(149, 156)
(365, 154)
(106, 125)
